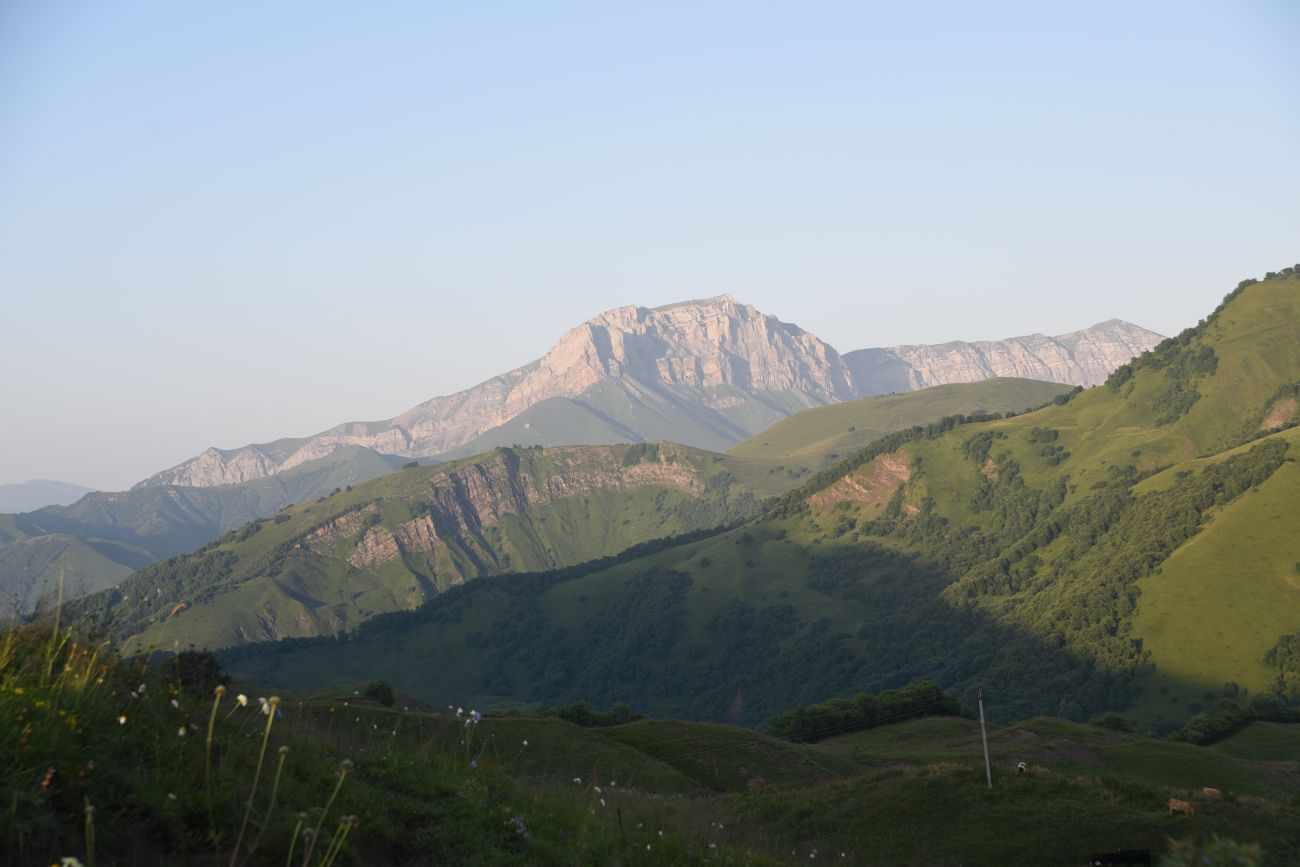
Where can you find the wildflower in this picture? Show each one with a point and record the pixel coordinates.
(525, 742)
(478, 717)
(602, 802)
(577, 781)
(473, 764)
(182, 731)
(598, 789)
(241, 700)
(647, 847)
(219, 690)
(175, 703)
(121, 719)
(70, 862)
(170, 796)
(713, 845)
(266, 708)
(140, 689)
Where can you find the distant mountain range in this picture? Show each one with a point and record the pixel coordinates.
(705, 373)
(38, 493)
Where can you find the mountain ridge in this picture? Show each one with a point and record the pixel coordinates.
(706, 373)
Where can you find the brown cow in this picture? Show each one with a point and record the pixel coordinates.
(1211, 792)
(1177, 806)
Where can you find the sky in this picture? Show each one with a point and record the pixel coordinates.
(224, 223)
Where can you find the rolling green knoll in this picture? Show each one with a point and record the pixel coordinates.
(822, 435)
(1027, 555)
(103, 537)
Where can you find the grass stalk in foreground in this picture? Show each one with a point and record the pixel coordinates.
(271, 704)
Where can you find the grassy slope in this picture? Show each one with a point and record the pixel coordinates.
(431, 788)
(313, 595)
(822, 435)
(104, 536)
(1219, 602)
(277, 586)
(934, 607)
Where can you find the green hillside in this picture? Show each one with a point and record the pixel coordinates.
(626, 411)
(822, 435)
(1074, 560)
(101, 538)
(323, 589)
(390, 544)
(385, 783)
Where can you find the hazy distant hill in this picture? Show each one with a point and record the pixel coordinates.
(38, 493)
(104, 536)
(706, 373)
(1132, 548)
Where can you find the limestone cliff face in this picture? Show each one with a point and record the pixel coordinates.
(469, 499)
(683, 354)
(1079, 358)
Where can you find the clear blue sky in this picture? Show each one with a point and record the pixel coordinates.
(228, 222)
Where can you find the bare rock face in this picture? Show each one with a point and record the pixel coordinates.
(683, 354)
(470, 499)
(1084, 358)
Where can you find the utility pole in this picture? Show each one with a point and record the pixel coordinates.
(988, 771)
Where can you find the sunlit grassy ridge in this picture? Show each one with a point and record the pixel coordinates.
(1028, 555)
(820, 436)
(390, 543)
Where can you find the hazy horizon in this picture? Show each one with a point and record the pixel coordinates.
(224, 225)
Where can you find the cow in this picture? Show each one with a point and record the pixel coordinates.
(1021, 769)
(1211, 792)
(1177, 806)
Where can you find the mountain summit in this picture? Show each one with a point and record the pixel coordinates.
(706, 373)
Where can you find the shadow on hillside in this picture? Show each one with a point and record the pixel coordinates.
(749, 662)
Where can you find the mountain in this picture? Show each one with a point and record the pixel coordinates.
(34, 494)
(103, 537)
(398, 540)
(1130, 547)
(706, 373)
(1079, 358)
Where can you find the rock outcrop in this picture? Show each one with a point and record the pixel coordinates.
(705, 373)
(1079, 358)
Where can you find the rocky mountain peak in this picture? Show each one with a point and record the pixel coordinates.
(707, 372)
